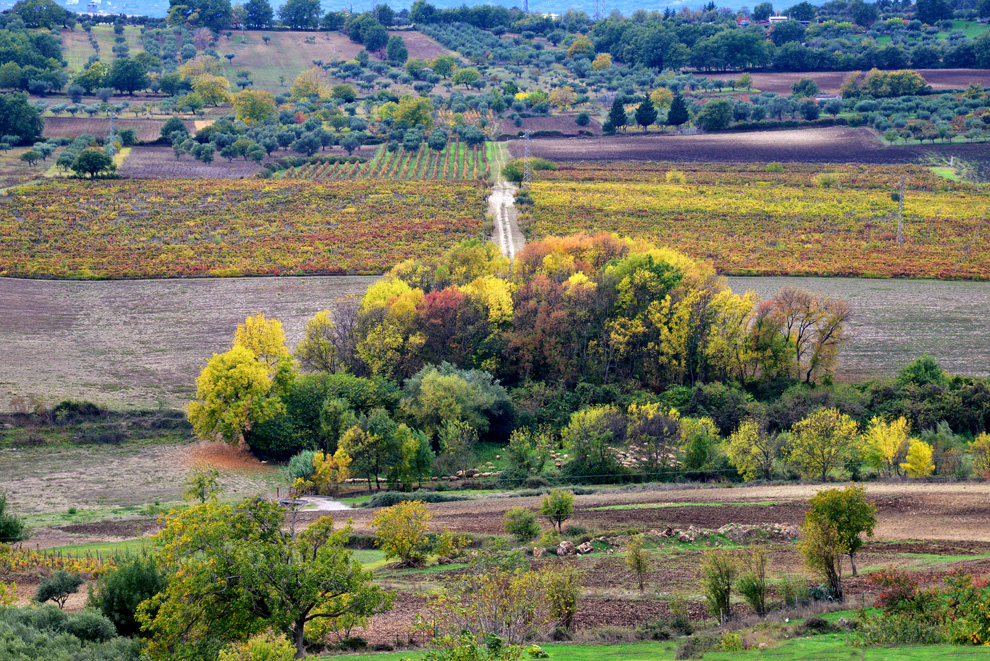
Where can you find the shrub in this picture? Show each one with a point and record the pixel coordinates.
(718, 571)
(91, 626)
(262, 647)
(675, 177)
(521, 523)
(753, 582)
(637, 559)
(118, 592)
(775, 167)
(300, 467)
(563, 586)
(12, 527)
(58, 587)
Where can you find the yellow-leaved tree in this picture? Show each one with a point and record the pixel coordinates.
(254, 106)
(241, 387)
(662, 97)
(885, 444)
(214, 90)
(919, 460)
(400, 531)
(981, 453)
(199, 65)
(316, 351)
(563, 97)
(753, 450)
(310, 82)
(602, 63)
(823, 441)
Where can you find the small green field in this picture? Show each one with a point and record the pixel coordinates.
(76, 48)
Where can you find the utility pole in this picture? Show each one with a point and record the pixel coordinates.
(900, 214)
(527, 168)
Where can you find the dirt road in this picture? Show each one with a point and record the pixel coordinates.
(501, 206)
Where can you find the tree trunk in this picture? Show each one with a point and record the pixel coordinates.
(299, 638)
(852, 561)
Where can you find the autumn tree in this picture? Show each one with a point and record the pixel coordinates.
(212, 89)
(374, 446)
(848, 513)
(822, 547)
(822, 442)
(885, 444)
(400, 531)
(265, 338)
(317, 351)
(753, 450)
(654, 433)
(563, 97)
(919, 459)
(603, 62)
(581, 46)
(814, 325)
(237, 570)
(661, 97)
(254, 107)
(981, 453)
(466, 77)
(309, 83)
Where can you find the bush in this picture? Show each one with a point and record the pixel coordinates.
(753, 583)
(118, 592)
(718, 571)
(563, 588)
(91, 626)
(401, 532)
(58, 587)
(300, 467)
(262, 647)
(521, 523)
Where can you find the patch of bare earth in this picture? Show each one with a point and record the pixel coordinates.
(831, 81)
(159, 162)
(839, 144)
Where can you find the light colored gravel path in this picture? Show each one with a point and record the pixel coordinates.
(501, 206)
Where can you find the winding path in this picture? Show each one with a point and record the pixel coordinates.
(501, 205)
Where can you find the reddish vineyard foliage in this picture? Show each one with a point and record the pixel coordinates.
(161, 229)
(804, 220)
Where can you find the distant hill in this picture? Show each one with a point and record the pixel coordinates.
(160, 7)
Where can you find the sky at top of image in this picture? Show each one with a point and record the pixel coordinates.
(159, 8)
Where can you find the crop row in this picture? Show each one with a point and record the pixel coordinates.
(840, 222)
(149, 228)
(456, 161)
(25, 561)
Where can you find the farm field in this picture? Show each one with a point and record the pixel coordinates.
(829, 82)
(132, 229)
(817, 145)
(456, 161)
(140, 344)
(145, 129)
(160, 163)
(134, 344)
(76, 49)
(807, 220)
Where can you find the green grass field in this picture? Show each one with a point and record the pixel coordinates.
(76, 49)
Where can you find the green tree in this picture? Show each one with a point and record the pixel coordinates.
(396, 51)
(678, 113)
(932, 11)
(118, 592)
(300, 13)
(12, 528)
(58, 587)
(646, 113)
(20, 118)
(822, 442)
(40, 14)
(466, 77)
(805, 87)
(444, 65)
(718, 572)
(557, 506)
(822, 547)
(92, 162)
(31, 157)
(762, 11)
(753, 450)
(785, 32)
(715, 115)
(127, 75)
(849, 512)
(617, 113)
(258, 14)
(374, 446)
(238, 570)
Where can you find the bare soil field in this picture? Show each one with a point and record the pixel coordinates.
(419, 45)
(132, 343)
(159, 162)
(135, 343)
(815, 145)
(145, 129)
(829, 82)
